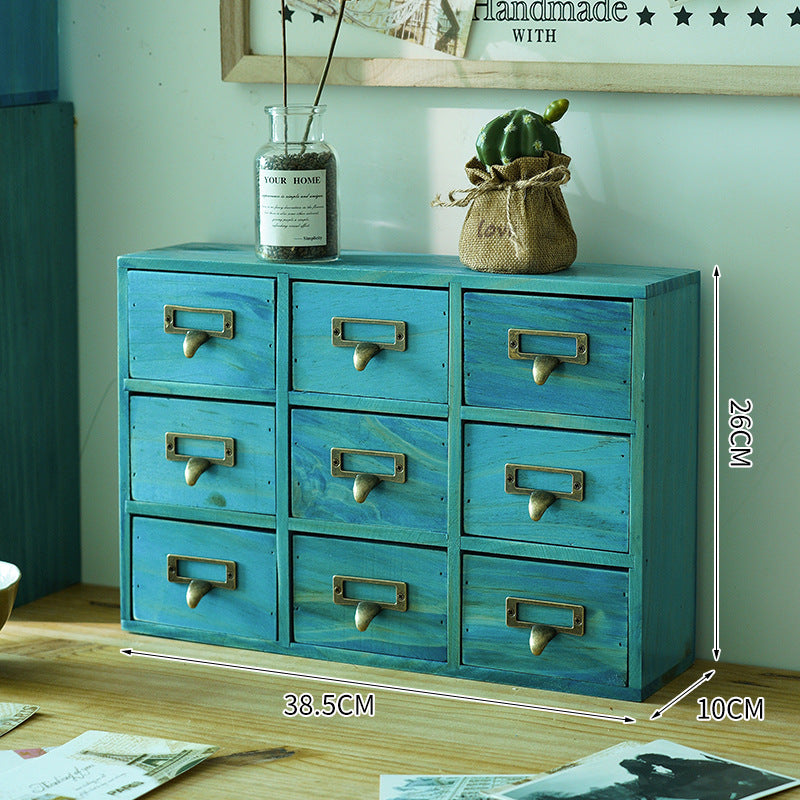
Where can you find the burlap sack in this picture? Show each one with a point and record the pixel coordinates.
(517, 219)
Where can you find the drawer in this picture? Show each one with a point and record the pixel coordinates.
(239, 564)
(398, 335)
(398, 469)
(226, 449)
(508, 336)
(578, 484)
(396, 594)
(546, 595)
(229, 320)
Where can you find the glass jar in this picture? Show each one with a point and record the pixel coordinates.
(297, 205)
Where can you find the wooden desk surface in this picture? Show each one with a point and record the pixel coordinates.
(63, 654)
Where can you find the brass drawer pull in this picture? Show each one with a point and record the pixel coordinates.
(540, 500)
(365, 482)
(545, 363)
(541, 634)
(197, 465)
(364, 351)
(194, 337)
(367, 610)
(197, 588)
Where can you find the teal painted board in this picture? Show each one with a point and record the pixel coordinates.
(417, 269)
(418, 502)
(450, 537)
(669, 485)
(418, 632)
(39, 477)
(598, 388)
(599, 521)
(248, 484)
(419, 372)
(247, 359)
(600, 655)
(248, 610)
(28, 52)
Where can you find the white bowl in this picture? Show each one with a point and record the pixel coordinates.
(9, 580)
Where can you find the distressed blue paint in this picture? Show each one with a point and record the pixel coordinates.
(418, 632)
(248, 485)
(247, 360)
(419, 502)
(247, 610)
(599, 521)
(417, 373)
(455, 405)
(600, 655)
(599, 388)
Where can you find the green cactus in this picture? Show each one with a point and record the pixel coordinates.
(520, 132)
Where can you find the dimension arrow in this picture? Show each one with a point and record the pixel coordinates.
(707, 676)
(383, 686)
(716, 651)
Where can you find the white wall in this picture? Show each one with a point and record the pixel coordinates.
(164, 151)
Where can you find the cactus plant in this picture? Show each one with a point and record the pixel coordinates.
(520, 132)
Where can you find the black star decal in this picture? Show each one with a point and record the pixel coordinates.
(718, 16)
(757, 17)
(287, 13)
(317, 17)
(682, 16)
(645, 16)
(794, 16)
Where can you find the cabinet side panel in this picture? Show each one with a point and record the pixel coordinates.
(667, 444)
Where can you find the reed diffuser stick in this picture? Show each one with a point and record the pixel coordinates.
(324, 75)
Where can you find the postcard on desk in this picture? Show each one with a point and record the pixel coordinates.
(97, 765)
(11, 714)
(14, 758)
(443, 787)
(660, 769)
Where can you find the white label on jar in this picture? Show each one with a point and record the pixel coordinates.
(292, 207)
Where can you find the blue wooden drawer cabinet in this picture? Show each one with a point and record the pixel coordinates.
(392, 460)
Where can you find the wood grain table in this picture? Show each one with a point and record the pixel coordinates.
(62, 653)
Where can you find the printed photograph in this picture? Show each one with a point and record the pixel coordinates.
(441, 25)
(659, 770)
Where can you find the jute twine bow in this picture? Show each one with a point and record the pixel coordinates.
(549, 179)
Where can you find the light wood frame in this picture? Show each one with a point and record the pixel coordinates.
(240, 64)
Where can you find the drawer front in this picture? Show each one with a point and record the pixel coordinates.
(409, 325)
(244, 560)
(237, 315)
(598, 388)
(236, 439)
(408, 454)
(411, 582)
(580, 484)
(600, 655)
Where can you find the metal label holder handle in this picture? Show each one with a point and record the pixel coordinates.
(367, 610)
(545, 363)
(541, 633)
(337, 470)
(365, 482)
(512, 480)
(197, 465)
(578, 615)
(364, 351)
(195, 337)
(227, 321)
(540, 500)
(226, 460)
(199, 588)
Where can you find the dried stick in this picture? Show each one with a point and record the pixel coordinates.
(285, 78)
(327, 65)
